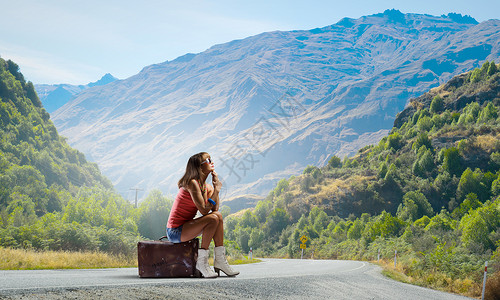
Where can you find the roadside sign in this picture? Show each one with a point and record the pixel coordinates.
(302, 246)
(303, 239)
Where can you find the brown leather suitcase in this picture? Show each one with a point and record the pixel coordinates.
(167, 259)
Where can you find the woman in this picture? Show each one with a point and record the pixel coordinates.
(195, 195)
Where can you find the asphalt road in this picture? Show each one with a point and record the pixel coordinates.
(270, 279)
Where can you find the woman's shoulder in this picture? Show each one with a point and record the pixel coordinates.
(193, 184)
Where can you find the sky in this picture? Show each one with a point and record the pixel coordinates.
(77, 42)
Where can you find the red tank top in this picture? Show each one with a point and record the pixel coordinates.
(183, 209)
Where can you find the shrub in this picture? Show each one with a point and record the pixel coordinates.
(335, 162)
(437, 104)
(493, 287)
(452, 161)
(394, 141)
(422, 140)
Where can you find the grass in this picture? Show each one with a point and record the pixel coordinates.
(433, 280)
(21, 259)
(243, 261)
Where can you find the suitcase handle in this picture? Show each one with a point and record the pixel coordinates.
(163, 237)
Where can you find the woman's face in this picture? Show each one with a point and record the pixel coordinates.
(207, 165)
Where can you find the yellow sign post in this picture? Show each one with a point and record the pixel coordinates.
(303, 239)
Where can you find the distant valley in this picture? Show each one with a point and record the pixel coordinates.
(267, 106)
(54, 96)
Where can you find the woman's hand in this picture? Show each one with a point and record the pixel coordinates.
(216, 182)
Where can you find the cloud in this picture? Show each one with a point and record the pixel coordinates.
(79, 42)
(40, 67)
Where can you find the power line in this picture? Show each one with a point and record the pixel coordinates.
(136, 191)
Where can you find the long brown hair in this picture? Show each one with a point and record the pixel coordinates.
(193, 170)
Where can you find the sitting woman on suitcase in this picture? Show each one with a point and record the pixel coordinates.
(195, 195)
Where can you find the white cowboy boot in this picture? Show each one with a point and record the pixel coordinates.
(221, 264)
(203, 266)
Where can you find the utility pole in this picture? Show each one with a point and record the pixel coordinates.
(136, 191)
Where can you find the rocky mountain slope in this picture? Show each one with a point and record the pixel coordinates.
(268, 105)
(53, 96)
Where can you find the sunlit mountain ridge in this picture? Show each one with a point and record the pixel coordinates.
(268, 105)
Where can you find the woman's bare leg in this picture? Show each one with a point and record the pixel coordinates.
(207, 224)
(219, 231)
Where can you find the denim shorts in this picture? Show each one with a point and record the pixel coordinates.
(174, 234)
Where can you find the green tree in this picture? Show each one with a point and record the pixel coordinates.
(394, 141)
(384, 225)
(437, 104)
(424, 124)
(422, 222)
(424, 165)
(382, 171)
(277, 221)
(391, 175)
(21, 210)
(424, 208)
(340, 230)
(319, 219)
(427, 161)
(495, 160)
(243, 238)
(492, 69)
(309, 169)
(153, 214)
(257, 236)
(356, 230)
(281, 186)
(477, 225)
(248, 219)
(262, 210)
(471, 202)
(302, 222)
(474, 182)
(488, 113)
(422, 140)
(407, 211)
(495, 187)
(452, 161)
(470, 113)
(307, 183)
(480, 73)
(225, 210)
(335, 162)
(440, 222)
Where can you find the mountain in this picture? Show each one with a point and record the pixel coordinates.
(53, 96)
(445, 137)
(268, 105)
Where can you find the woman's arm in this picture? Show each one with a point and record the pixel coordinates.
(198, 198)
(217, 185)
(210, 194)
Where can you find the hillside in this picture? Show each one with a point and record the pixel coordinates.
(430, 190)
(35, 161)
(268, 105)
(51, 197)
(415, 155)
